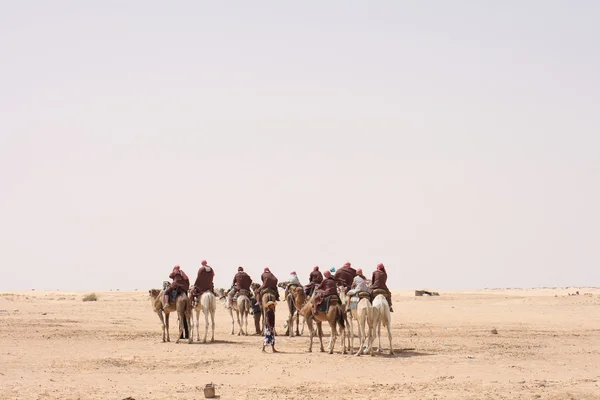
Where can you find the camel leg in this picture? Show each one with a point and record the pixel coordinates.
(320, 332)
(232, 321)
(351, 336)
(389, 330)
(333, 337)
(369, 348)
(361, 332)
(343, 336)
(197, 322)
(290, 325)
(247, 313)
(379, 337)
(311, 334)
(167, 317)
(190, 328)
(212, 321)
(370, 341)
(162, 321)
(297, 322)
(181, 329)
(205, 312)
(238, 320)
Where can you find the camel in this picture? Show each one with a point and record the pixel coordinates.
(181, 306)
(242, 308)
(295, 300)
(335, 316)
(364, 316)
(208, 305)
(382, 315)
(267, 297)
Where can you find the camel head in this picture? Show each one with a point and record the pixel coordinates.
(341, 291)
(254, 286)
(154, 293)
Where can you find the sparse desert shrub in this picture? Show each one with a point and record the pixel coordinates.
(90, 297)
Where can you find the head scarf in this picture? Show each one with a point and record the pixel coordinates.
(327, 274)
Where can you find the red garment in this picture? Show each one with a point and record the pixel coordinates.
(269, 281)
(345, 276)
(378, 281)
(327, 288)
(315, 277)
(242, 280)
(180, 281)
(204, 281)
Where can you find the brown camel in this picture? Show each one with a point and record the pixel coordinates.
(335, 316)
(182, 306)
(267, 297)
(295, 301)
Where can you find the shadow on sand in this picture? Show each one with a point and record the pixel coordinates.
(217, 342)
(403, 353)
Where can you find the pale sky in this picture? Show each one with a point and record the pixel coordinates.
(457, 142)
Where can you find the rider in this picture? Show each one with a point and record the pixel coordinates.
(181, 283)
(344, 277)
(359, 284)
(327, 288)
(269, 282)
(378, 281)
(293, 280)
(314, 279)
(204, 280)
(241, 281)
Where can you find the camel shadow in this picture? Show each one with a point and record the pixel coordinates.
(217, 342)
(404, 353)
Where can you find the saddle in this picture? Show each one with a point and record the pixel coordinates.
(354, 300)
(245, 292)
(327, 302)
(269, 290)
(377, 292)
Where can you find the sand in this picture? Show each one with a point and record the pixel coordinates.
(55, 346)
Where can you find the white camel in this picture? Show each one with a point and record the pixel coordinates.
(208, 305)
(382, 315)
(242, 309)
(363, 314)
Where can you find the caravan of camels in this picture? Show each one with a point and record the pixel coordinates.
(335, 297)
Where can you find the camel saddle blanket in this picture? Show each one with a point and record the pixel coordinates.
(377, 292)
(240, 292)
(357, 297)
(328, 301)
(269, 290)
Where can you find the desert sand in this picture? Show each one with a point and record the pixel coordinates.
(55, 346)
